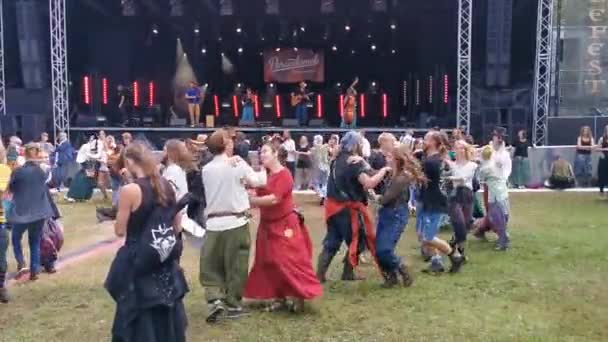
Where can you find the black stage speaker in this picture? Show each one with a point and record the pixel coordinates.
(87, 120)
(290, 123)
(316, 123)
(177, 122)
(246, 123)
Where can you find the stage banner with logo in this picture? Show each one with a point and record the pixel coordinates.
(291, 66)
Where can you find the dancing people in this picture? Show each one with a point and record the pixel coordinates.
(346, 207)
(460, 200)
(495, 185)
(434, 205)
(148, 290)
(320, 163)
(282, 270)
(393, 214)
(225, 254)
(31, 206)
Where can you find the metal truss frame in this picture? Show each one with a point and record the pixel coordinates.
(465, 35)
(2, 83)
(542, 72)
(59, 67)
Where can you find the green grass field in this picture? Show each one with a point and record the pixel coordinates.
(551, 286)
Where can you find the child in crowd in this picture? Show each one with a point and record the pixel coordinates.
(498, 200)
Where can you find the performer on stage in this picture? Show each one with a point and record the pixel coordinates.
(125, 107)
(282, 269)
(194, 96)
(300, 99)
(346, 206)
(349, 119)
(247, 102)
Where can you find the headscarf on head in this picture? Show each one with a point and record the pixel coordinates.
(350, 142)
(317, 140)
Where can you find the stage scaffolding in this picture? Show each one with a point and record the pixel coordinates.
(2, 84)
(542, 72)
(465, 29)
(59, 67)
(542, 80)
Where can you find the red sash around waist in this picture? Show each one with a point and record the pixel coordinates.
(332, 207)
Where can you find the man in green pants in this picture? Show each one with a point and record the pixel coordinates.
(225, 254)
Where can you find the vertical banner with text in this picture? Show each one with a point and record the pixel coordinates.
(291, 66)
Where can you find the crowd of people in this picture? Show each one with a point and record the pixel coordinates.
(207, 187)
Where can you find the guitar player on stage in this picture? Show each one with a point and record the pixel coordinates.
(349, 119)
(194, 96)
(300, 99)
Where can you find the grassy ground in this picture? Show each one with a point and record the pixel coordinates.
(549, 287)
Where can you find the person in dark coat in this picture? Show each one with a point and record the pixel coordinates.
(31, 207)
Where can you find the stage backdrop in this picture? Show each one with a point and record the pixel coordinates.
(290, 66)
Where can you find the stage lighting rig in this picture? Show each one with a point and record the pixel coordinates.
(272, 7)
(239, 30)
(334, 48)
(295, 49)
(226, 8)
(197, 29)
(373, 47)
(347, 28)
(155, 29)
(129, 8)
(177, 8)
(240, 50)
(277, 49)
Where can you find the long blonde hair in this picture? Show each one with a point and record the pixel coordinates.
(407, 164)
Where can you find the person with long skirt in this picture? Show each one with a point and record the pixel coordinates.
(346, 207)
(81, 187)
(496, 196)
(602, 167)
(149, 301)
(282, 271)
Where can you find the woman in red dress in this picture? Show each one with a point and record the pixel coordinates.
(282, 271)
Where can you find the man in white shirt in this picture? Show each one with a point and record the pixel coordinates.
(225, 254)
(366, 148)
(290, 146)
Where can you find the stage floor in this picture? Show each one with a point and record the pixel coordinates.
(273, 129)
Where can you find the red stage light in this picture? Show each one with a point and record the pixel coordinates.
(277, 102)
(362, 102)
(319, 107)
(235, 106)
(87, 89)
(256, 106)
(384, 105)
(136, 94)
(341, 106)
(104, 90)
(151, 93)
(430, 89)
(216, 104)
(446, 85)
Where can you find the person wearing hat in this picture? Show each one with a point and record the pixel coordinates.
(31, 207)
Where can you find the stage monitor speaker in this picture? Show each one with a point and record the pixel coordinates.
(88, 120)
(290, 123)
(316, 123)
(246, 123)
(177, 122)
(264, 123)
(209, 121)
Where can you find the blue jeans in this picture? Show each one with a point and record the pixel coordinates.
(429, 222)
(34, 235)
(302, 114)
(391, 224)
(582, 169)
(247, 113)
(320, 182)
(115, 186)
